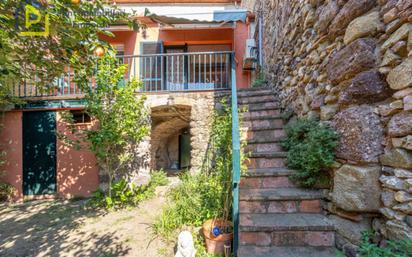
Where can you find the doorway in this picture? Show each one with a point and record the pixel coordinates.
(39, 153)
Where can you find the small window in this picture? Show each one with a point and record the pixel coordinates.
(80, 117)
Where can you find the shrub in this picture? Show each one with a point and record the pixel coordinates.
(205, 195)
(6, 191)
(195, 200)
(310, 147)
(260, 80)
(399, 248)
(126, 194)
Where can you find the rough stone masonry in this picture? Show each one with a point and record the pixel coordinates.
(349, 63)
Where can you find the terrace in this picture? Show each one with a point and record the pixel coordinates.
(168, 72)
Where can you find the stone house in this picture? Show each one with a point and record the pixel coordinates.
(183, 57)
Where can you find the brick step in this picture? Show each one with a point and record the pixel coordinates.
(262, 147)
(280, 194)
(268, 155)
(284, 222)
(252, 89)
(263, 134)
(261, 113)
(265, 161)
(257, 99)
(259, 124)
(266, 117)
(289, 206)
(282, 251)
(259, 106)
(270, 172)
(266, 182)
(242, 94)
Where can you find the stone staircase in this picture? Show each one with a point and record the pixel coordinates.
(276, 217)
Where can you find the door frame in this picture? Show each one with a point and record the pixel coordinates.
(185, 65)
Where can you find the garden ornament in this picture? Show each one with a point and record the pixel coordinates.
(185, 245)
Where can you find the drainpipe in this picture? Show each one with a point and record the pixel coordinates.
(260, 38)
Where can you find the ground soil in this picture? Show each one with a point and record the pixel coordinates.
(68, 228)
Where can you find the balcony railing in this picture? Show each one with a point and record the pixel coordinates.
(158, 73)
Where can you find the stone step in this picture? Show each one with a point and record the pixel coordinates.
(274, 172)
(261, 113)
(263, 134)
(264, 117)
(284, 251)
(284, 222)
(268, 155)
(256, 162)
(281, 194)
(252, 89)
(259, 124)
(259, 106)
(257, 99)
(288, 206)
(266, 182)
(262, 147)
(242, 94)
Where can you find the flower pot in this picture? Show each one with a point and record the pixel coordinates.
(216, 244)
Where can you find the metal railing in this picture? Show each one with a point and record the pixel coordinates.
(235, 159)
(157, 72)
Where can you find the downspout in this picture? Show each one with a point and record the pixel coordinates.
(260, 39)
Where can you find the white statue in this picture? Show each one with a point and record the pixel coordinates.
(185, 245)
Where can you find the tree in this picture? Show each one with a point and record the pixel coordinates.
(122, 117)
(74, 31)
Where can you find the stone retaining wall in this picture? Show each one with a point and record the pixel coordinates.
(349, 63)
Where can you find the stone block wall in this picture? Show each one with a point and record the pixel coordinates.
(349, 63)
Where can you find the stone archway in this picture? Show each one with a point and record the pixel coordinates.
(169, 123)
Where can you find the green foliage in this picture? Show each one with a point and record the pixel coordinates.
(310, 147)
(6, 191)
(195, 200)
(125, 194)
(74, 33)
(205, 195)
(123, 118)
(399, 248)
(260, 80)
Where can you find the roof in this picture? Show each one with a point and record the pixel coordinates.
(215, 16)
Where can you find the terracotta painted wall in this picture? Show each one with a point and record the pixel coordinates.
(241, 34)
(77, 172)
(11, 142)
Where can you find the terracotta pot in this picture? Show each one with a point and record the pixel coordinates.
(214, 244)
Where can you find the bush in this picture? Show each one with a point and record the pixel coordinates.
(126, 194)
(310, 147)
(399, 248)
(260, 80)
(208, 194)
(6, 191)
(195, 200)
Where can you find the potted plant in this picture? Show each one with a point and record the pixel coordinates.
(218, 233)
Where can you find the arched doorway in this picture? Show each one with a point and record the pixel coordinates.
(170, 138)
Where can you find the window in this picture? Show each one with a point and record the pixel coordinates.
(80, 117)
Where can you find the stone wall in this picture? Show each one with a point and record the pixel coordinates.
(349, 63)
(172, 112)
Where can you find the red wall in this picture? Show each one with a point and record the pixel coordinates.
(240, 35)
(77, 170)
(11, 142)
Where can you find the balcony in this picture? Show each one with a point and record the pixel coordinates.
(171, 72)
